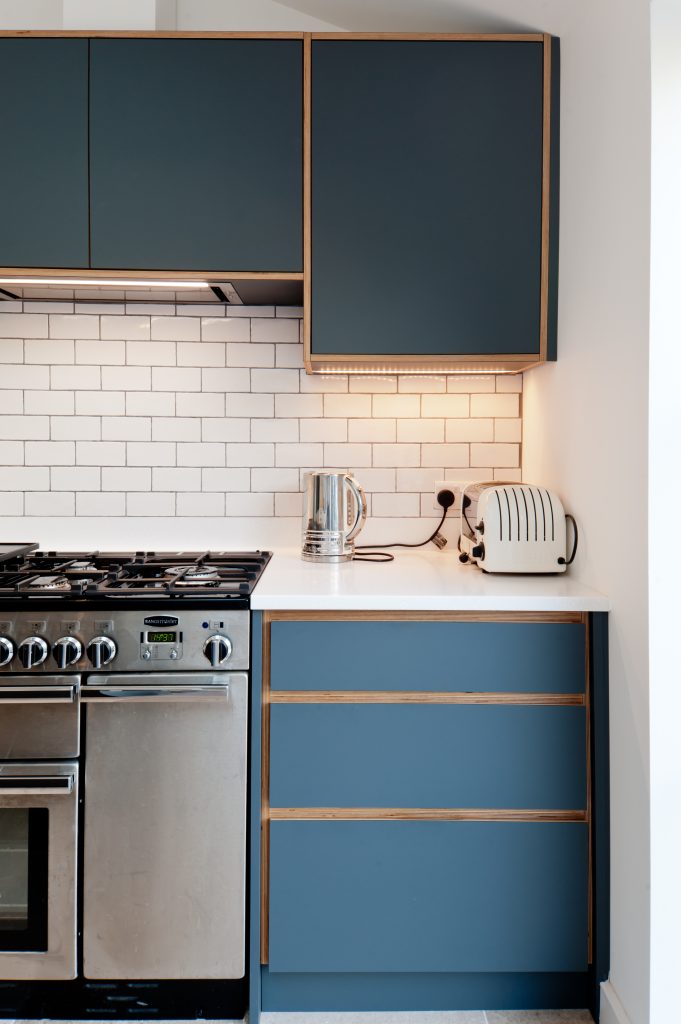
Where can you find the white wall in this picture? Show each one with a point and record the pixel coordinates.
(665, 493)
(585, 418)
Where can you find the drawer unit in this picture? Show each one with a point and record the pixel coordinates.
(414, 896)
(473, 657)
(427, 755)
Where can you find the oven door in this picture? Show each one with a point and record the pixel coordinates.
(38, 850)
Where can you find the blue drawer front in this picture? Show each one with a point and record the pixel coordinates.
(441, 656)
(429, 755)
(379, 896)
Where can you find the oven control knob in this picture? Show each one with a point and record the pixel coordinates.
(217, 649)
(33, 651)
(6, 651)
(101, 651)
(67, 651)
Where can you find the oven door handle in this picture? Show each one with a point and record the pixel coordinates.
(139, 694)
(39, 694)
(36, 785)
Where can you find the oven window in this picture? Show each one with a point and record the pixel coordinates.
(23, 878)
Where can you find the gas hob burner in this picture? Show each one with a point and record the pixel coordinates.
(193, 575)
(49, 583)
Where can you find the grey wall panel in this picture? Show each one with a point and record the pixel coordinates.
(44, 165)
(426, 196)
(475, 656)
(196, 154)
(429, 755)
(428, 896)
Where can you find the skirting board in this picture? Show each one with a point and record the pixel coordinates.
(612, 1011)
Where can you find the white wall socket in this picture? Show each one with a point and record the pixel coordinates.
(442, 485)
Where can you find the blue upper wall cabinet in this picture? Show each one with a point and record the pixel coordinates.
(431, 202)
(196, 154)
(44, 166)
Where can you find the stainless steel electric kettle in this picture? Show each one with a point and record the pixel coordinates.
(334, 512)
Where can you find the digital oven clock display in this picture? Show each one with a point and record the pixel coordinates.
(161, 638)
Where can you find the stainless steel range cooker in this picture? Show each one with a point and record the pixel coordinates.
(123, 765)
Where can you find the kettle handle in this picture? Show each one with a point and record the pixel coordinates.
(361, 502)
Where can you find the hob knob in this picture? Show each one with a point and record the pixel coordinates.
(33, 651)
(67, 651)
(217, 649)
(101, 651)
(6, 651)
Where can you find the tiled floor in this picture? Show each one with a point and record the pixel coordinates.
(431, 1017)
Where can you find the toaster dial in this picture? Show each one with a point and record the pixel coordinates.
(478, 551)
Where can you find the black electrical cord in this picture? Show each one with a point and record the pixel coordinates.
(445, 499)
(575, 542)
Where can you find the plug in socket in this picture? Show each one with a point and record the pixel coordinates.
(447, 485)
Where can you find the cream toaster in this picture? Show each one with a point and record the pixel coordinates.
(508, 527)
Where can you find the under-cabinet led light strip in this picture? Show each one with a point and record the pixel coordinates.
(100, 282)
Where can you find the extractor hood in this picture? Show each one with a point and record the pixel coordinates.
(135, 286)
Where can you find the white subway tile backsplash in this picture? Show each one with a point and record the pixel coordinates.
(445, 455)
(49, 503)
(201, 353)
(197, 504)
(275, 380)
(225, 329)
(175, 328)
(144, 453)
(299, 406)
(234, 379)
(78, 325)
(74, 378)
(150, 353)
(203, 411)
(275, 430)
(24, 427)
(233, 429)
(100, 403)
(250, 454)
(281, 331)
(289, 311)
(100, 453)
(125, 328)
(502, 455)
(11, 454)
(126, 428)
(249, 504)
(225, 479)
(150, 403)
(21, 376)
(275, 480)
(245, 354)
(103, 504)
(396, 406)
(150, 504)
(175, 479)
(26, 478)
(13, 402)
(201, 453)
(494, 405)
(101, 353)
(76, 478)
(23, 325)
(75, 428)
(11, 350)
(58, 403)
(323, 430)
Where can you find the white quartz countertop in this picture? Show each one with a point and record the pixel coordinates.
(415, 581)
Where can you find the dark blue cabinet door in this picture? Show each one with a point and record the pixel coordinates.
(389, 896)
(426, 197)
(44, 165)
(196, 154)
(427, 755)
(510, 657)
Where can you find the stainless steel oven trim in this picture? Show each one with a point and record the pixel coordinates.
(165, 694)
(39, 693)
(58, 963)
